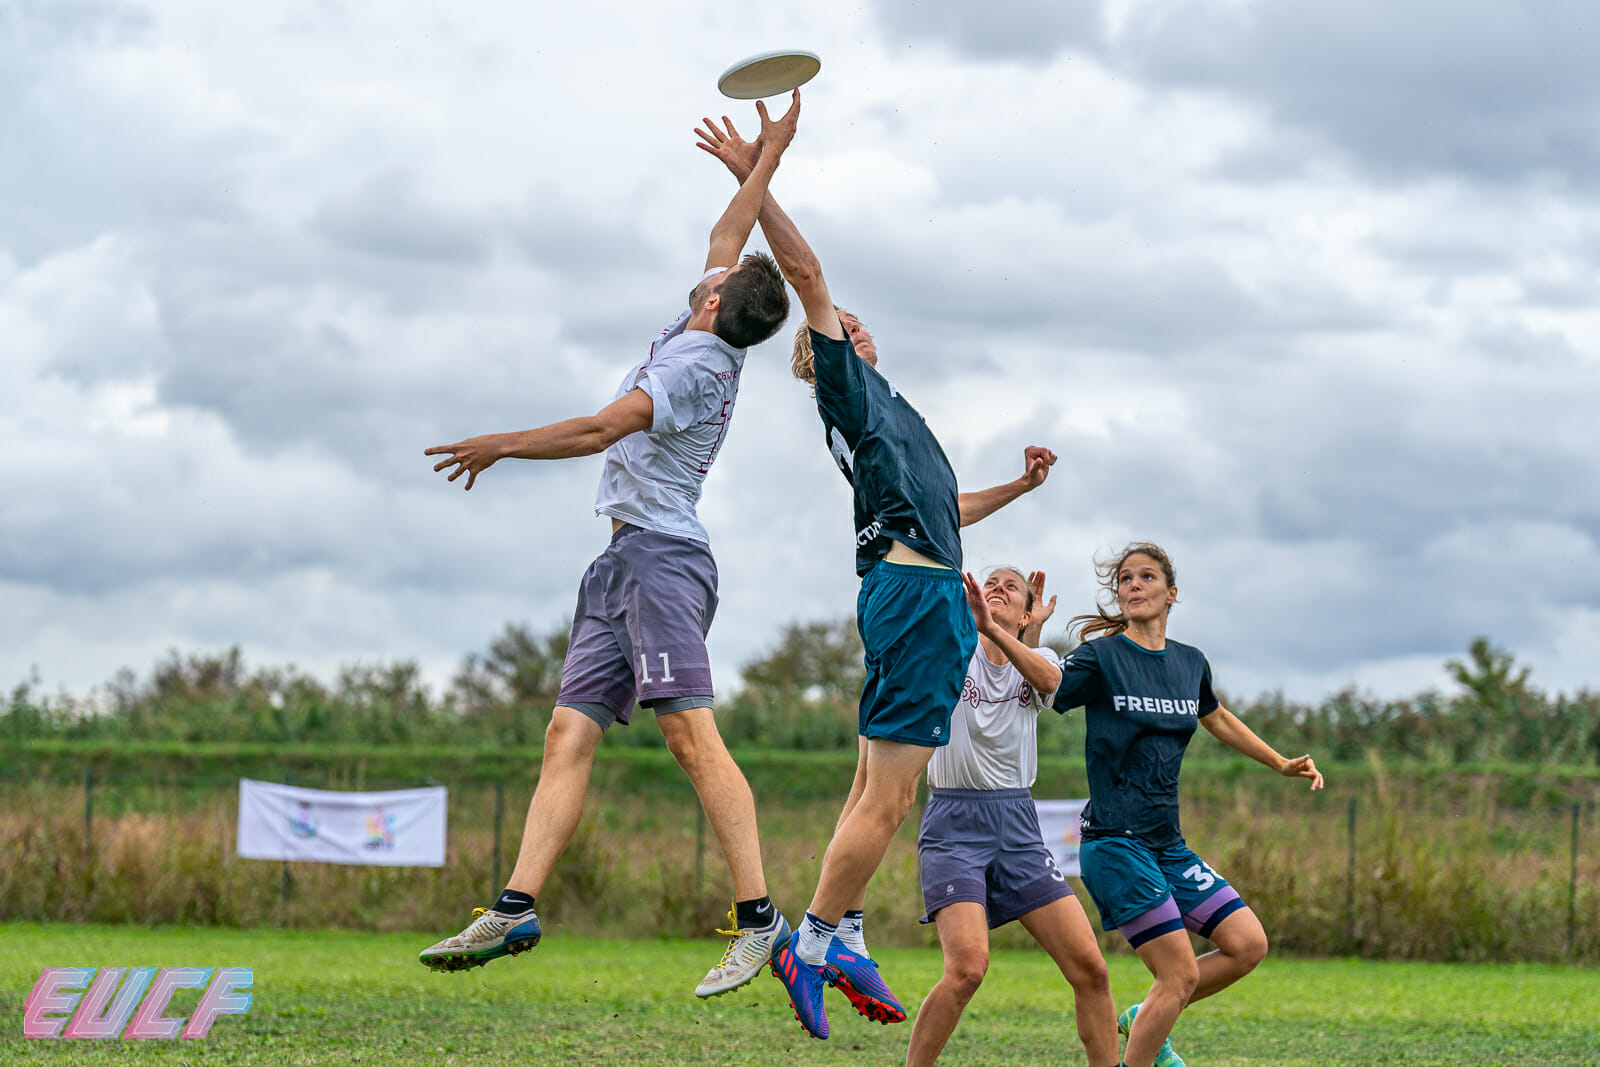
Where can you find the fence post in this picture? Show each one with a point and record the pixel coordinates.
(1572, 884)
(88, 824)
(1350, 876)
(288, 779)
(499, 815)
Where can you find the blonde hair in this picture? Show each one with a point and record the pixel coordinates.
(1102, 620)
(802, 358)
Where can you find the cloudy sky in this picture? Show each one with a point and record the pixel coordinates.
(1305, 292)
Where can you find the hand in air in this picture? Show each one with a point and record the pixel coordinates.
(1042, 608)
(777, 133)
(470, 457)
(980, 608)
(1302, 767)
(737, 154)
(1037, 460)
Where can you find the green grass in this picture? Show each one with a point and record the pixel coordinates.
(346, 997)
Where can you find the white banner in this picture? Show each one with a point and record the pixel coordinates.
(398, 828)
(1058, 824)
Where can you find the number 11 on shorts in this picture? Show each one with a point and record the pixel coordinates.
(666, 669)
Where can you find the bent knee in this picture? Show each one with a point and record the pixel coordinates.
(1089, 975)
(965, 974)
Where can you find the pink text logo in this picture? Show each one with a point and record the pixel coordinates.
(64, 1003)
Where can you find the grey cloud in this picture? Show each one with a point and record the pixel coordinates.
(386, 217)
(998, 29)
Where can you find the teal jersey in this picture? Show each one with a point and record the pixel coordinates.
(903, 485)
(1141, 709)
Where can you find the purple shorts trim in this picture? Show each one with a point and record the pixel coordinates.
(1218, 906)
(1162, 919)
(639, 631)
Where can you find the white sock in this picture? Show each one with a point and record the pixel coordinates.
(850, 933)
(815, 934)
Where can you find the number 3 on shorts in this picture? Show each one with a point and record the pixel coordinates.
(1204, 877)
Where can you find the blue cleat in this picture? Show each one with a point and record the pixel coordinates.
(856, 976)
(804, 984)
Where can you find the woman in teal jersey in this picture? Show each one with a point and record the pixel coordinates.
(1144, 695)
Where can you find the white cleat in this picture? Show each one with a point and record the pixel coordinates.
(746, 954)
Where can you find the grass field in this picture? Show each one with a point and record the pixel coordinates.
(329, 997)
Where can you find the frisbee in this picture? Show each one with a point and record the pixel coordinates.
(768, 74)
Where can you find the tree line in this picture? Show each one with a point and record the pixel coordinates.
(800, 695)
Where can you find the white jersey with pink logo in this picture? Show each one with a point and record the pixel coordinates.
(652, 478)
(994, 729)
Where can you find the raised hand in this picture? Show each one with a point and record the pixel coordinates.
(1042, 609)
(980, 607)
(1037, 462)
(777, 133)
(737, 154)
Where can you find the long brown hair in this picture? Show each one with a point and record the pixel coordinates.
(1103, 620)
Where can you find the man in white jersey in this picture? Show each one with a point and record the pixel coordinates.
(983, 858)
(646, 604)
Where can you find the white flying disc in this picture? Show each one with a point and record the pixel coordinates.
(768, 74)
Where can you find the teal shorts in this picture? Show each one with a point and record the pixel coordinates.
(919, 636)
(1146, 892)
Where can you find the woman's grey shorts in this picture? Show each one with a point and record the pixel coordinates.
(984, 846)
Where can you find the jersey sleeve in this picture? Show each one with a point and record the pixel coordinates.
(1080, 678)
(841, 382)
(1042, 700)
(682, 392)
(1208, 698)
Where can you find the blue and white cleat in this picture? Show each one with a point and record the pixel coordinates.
(747, 952)
(804, 984)
(490, 936)
(856, 976)
(1165, 1056)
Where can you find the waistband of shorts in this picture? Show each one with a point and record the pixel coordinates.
(981, 794)
(628, 529)
(913, 570)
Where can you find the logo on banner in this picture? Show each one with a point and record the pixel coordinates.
(65, 1004)
(305, 823)
(380, 828)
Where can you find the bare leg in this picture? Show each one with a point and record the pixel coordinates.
(858, 785)
(1171, 959)
(1062, 929)
(569, 746)
(964, 935)
(893, 770)
(724, 794)
(1241, 945)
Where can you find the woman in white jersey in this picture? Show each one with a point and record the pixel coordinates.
(984, 862)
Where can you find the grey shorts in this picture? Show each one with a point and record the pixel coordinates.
(984, 846)
(639, 630)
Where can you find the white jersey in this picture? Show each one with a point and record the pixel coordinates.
(652, 478)
(994, 729)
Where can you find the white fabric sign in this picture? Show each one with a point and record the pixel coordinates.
(398, 828)
(1058, 823)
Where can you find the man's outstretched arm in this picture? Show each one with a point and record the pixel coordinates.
(733, 228)
(799, 264)
(985, 502)
(582, 436)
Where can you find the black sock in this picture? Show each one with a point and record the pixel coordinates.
(753, 914)
(512, 902)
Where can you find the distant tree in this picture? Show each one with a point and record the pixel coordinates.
(509, 691)
(805, 692)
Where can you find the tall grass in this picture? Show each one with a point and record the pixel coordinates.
(1468, 880)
